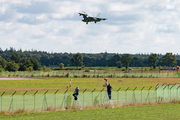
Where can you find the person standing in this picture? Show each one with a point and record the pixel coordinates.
(106, 82)
(109, 87)
(70, 83)
(76, 93)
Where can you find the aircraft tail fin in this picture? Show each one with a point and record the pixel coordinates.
(98, 15)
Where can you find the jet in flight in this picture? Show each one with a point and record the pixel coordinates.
(88, 18)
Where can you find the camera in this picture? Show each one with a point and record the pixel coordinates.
(75, 96)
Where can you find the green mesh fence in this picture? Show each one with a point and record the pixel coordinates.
(90, 74)
(41, 102)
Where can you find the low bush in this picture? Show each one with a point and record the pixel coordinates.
(141, 76)
(133, 76)
(75, 76)
(84, 76)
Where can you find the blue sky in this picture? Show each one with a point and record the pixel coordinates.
(133, 26)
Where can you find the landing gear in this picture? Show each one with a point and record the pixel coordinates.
(86, 22)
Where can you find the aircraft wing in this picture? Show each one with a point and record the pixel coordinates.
(83, 14)
(103, 18)
(95, 19)
(99, 19)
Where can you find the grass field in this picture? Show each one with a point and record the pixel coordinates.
(53, 84)
(149, 112)
(121, 97)
(146, 112)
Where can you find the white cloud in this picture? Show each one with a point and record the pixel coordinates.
(133, 26)
(118, 6)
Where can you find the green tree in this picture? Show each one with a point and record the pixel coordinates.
(45, 69)
(12, 66)
(119, 64)
(1, 69)
(152, 59)
(77, 59)
(66, 60)
(169, 60)
(22, 67)
(113, 60)
(15, 57)
(36, 63)
(27, 62)
(2, 62)
(61, 65)
(30, 69)
(126, 59)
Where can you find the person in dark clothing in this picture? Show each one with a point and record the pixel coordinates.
(76, 93)
(109, 87)
(77, 90)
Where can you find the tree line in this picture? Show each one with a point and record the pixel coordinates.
(33, 59)
(15, 63)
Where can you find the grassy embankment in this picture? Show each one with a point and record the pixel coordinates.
(147, 112)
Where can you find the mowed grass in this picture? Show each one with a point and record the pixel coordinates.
(52, 84)
(146, 112)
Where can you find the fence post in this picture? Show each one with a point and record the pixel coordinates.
(83, 97)
(141, 94)
(156, 91)
(101, 96)
(148, 95)
(64, 99)
(163, 92)
(23, 100)
(168, 90)
(34, 99)
(177, 93)
(1, 99)
(126, 95)
(163, 84)
(170, 93)
(134, 97)
(92, 97)
(118, 95)
(45, 101)
(55, 99)
(11, 104)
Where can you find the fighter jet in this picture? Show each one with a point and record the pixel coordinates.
(88, 18)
